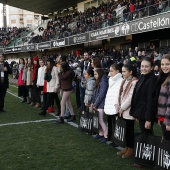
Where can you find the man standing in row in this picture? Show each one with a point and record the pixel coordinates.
(4, 82)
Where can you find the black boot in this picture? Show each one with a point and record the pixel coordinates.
(60, 121)
(72, 119)
(43, 113)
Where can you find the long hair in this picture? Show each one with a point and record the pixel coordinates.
(49, 67)
(117, 67)
(65, 66)
(100, 73)
(132, 68)
(166, 56)
(97, 62)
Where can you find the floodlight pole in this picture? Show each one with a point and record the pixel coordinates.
(4, 13)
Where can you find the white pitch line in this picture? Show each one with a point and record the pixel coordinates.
(20, 123)
(14, 95)
(13, 86)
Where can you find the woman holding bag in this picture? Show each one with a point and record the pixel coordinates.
(129, 73)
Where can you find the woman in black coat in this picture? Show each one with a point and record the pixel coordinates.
(142, 99)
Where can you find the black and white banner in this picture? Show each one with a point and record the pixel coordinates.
(78, 39)
(59, 43)
(85, 121)
(119, 133)
(28, 48)
(43, 45)
(12, 50)
(110, 32)
(163, 155)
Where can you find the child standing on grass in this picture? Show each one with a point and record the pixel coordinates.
(98, 102)
(89, 86)
(115, 81)
(129, 73)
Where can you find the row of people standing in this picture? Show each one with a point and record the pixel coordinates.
(144, 100)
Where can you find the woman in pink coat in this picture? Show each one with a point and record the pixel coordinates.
(124, 104)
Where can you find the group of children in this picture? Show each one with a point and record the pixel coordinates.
(144, 99)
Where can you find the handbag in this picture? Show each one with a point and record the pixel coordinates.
(95, 121)
(119, 132)
(145, 149)
(163, 155)
(48, 76)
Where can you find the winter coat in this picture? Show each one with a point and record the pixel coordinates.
(142, 99)
(29, 75)
(125, 97)
(5, 83)
(164, 103)
(100, 93)
(66, 80)
(41, 73)
(89, 86)
(112, 94)
(21, 70)
(53, 84)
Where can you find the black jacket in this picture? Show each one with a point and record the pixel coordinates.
(9, 71)
(142, 98)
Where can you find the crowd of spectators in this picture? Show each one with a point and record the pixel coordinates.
(9, 34)
(106, 14)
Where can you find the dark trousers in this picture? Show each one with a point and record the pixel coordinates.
(3, 90)
(111, 125)
(144, 130)
(39, 90)
(45, 98)
(34, 93)
(56, 98)
(49, 101)
(129, 133)
(166, 134)
(78, 94)
(82, 95)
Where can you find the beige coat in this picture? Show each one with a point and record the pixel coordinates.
(29, 77)
(54, 82)
(125, 100)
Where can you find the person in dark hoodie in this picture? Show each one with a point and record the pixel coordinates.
(142, 99)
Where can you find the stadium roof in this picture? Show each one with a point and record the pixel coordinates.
(42, 6)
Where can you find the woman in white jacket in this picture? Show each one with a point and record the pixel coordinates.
(40, 81)
(111, 99)
(51, 76)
